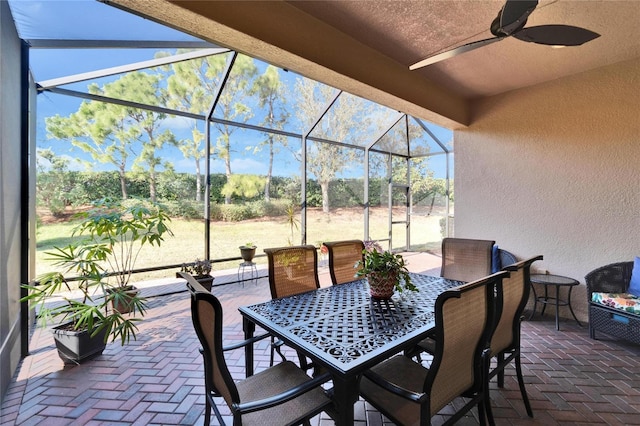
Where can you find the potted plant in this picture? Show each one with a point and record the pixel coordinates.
(92, 280)
(248, 251)
(385, 272)
(201, 271)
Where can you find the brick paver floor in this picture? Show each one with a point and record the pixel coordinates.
(157, 379)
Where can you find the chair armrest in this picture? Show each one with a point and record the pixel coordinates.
(393, 388)
(245, 342)
(282, 397)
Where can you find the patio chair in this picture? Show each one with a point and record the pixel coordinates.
(283, 393)
(506, 258)
(343, 255)
(292, 270)
(410, 394)
(505, 342)
(466, 259)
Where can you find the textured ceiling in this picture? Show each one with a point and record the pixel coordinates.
(366, 47)
(408, 31)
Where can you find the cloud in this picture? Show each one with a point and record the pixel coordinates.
(249, 166)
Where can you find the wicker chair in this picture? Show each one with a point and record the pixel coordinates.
(292, 270)
(283, 394)
(343, 255)
(410, 394)
(612, 278)
(506, 258)
(465, 259)
(505, 342)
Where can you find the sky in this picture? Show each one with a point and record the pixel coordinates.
(89, 19)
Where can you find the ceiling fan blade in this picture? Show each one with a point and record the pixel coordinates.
(512, 16)
(556, 35)
(454, 52)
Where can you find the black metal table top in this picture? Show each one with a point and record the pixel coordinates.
(347, 330)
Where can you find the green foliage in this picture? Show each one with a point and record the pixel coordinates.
(263, 208)
(245, 186)
(55, 187)
(292, 221)
(176, 186)
(386, 264)
(186, 209)
(234, 212)
(113, 236)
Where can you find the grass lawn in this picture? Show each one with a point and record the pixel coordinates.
(187, 243)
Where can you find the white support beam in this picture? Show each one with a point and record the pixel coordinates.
(55, 82)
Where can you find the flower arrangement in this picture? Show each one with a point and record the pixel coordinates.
(197, 268)
(385, 269)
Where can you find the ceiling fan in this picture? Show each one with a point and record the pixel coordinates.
(510, 22)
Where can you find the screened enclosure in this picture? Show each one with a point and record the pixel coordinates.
(234, 149)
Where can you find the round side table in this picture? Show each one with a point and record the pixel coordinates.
(553, 280)
(250, 269)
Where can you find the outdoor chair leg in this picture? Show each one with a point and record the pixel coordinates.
(500, 359)
(523, 390)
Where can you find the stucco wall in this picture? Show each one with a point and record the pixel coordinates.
(9, 197)
(555, 170)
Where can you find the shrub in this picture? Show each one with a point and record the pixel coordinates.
(187, 209)
(235, 212)
(215, 212)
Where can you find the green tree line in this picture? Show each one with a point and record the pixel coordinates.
(59, 188)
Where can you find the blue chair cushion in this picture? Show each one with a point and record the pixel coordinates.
(634, 285)
(496, 265)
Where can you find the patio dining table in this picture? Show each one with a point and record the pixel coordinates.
(344, 330)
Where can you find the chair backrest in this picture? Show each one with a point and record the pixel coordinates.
(510, 304)
(206, 315)
(466, 259)
(343, 255)
(292, 270)
(464, 323)
(611, 278)
(506, 258)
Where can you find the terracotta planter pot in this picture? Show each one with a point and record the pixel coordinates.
(125, 306)
(381, 287)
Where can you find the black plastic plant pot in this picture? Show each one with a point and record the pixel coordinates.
(76, 346)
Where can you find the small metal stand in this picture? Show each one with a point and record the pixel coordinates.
(250, 269)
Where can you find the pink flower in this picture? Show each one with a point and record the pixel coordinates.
(369, 245)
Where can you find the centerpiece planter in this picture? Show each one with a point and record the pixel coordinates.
(381, 286)
(385, 272)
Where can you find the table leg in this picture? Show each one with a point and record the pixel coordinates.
(249, 328)
(557, 307)
(546, 299)
(535, 301)
(345, 394)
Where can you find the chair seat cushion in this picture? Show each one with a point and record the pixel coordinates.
(402, 371)
(272, 381)
(623, 301)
